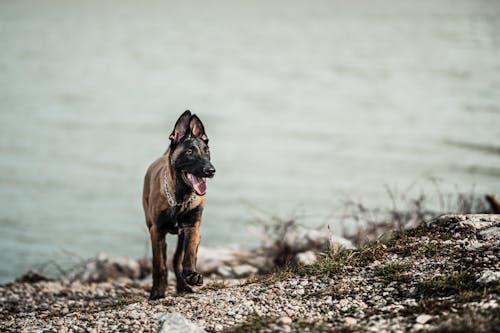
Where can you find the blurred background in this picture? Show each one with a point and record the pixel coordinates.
(307, 104)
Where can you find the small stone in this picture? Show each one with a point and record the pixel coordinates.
(488, 276)
(423, 318)
(306, 258)
(417, 327)
(174, 322)
(285, 320)
(134, 314)
(490, 233)
(225, 271)
(244, 270)
(350, 321)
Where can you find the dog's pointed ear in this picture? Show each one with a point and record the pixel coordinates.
(181, 127)
(197, 129)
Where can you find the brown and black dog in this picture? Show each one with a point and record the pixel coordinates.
(173, 200)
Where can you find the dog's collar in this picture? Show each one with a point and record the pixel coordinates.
(171, 197)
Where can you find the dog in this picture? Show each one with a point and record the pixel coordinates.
(173, 200)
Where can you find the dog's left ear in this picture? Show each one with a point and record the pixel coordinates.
(197, 129)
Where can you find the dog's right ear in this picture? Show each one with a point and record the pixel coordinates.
(181, 127)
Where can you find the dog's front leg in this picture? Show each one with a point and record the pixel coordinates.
(192, 239)
(182, 286)
(160, 271)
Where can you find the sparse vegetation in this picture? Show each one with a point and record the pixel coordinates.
(395, 272)
(449, 284)
(119, 303)
(471, 320)
(330, 263)
(407, 212)
(256, 323)
(440, 293)
(215, 285)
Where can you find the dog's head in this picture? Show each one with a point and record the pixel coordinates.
(190, 156)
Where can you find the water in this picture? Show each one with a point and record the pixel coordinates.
(305, 103)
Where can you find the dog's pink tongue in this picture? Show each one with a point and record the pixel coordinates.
(199, 184)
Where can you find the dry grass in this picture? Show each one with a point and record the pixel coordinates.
(406, 213)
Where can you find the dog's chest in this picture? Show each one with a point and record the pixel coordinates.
(173, 218)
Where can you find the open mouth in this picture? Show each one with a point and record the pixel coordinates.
(198, 184)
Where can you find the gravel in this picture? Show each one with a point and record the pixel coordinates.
(408, 287)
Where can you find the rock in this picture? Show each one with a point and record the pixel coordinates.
(474, 245)
(336, 241)
(487, 276)
(225, 271)
(306, 258)
(350, 321)
(105, 268)
(244, 270)
(260, 260)
(174, 323)
(134, 314)
(477, 221)
(210, 259)
(490, 233)
(285, 320)
(423, 318)
(417, 327)
(297, 238)
(32, 277)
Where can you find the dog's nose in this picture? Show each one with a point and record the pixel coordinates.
(209, 171)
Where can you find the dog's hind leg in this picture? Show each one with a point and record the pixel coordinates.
(160, 271)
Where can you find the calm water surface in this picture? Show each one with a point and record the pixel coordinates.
(305, 103)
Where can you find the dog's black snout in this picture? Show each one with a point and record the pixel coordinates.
(209, 171)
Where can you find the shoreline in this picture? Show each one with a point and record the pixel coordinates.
(440, 275)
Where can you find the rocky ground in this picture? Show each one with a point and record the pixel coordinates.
(440, 276)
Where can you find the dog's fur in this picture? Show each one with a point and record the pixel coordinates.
(188, 152)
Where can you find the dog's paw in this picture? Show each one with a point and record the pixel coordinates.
(156, 294)
(184, 288)
(193, 278)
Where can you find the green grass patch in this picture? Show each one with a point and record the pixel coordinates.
(330, 263)
(339, 260)
(395, 272)
(449, 284)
